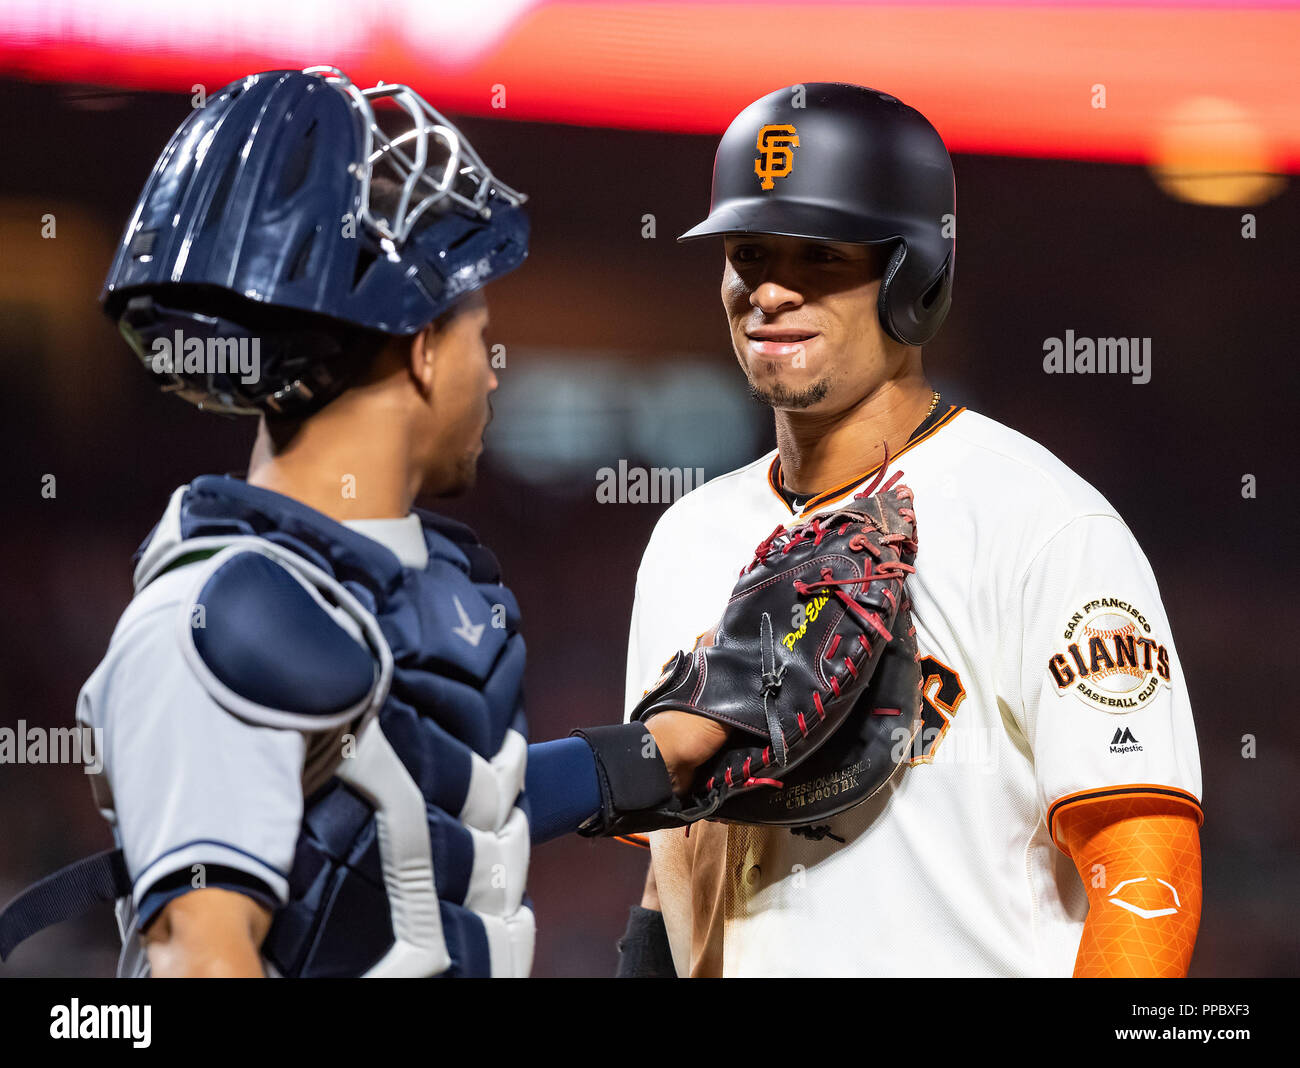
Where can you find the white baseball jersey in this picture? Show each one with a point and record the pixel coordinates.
(1051, 679)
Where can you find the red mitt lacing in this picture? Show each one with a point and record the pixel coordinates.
(887, 570)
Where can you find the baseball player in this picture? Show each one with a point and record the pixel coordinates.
(315, 751)
(1045, 818)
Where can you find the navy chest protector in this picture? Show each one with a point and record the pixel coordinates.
(413, 851)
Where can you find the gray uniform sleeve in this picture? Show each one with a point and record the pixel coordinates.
(187, 785)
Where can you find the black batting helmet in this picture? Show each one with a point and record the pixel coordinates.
(836, 162)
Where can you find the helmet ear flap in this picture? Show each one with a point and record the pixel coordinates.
(937, 287)
(885, 299)
(918, 323)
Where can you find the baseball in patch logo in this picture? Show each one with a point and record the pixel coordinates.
(776, 144)
(1111, 657)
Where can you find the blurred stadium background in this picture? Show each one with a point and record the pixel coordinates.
(1122, 220)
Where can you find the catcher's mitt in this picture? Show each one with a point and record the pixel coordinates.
(859, 758)
(800, 639)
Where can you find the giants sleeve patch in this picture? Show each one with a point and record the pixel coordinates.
(1110, 657)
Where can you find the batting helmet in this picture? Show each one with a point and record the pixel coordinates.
(835, 162)
(261, 210)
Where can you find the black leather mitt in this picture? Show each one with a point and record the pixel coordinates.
(802, 635)
(869, 749)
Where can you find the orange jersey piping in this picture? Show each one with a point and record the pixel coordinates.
(1101, 793)
(775, 479)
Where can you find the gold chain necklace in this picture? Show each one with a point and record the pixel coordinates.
(934, 403)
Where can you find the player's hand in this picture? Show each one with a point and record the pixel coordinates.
(685, 740)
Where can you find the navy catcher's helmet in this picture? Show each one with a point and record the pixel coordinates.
(259, 221)
(852, 165)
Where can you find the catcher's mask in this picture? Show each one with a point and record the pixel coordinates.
(263, 198)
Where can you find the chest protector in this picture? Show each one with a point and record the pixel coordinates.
(413, 852)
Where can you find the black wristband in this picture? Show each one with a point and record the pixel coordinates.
(643, 951)
(633, 779)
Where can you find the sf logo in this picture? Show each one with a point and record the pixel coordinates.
(776, 145)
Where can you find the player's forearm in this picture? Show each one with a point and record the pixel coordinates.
(208, 934)
(1141, 865)
(650, 895)
(204, 961)
(1125, 947)
(564, 777)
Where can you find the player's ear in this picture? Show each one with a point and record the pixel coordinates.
(421, 355)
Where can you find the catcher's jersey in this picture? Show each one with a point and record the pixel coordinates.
(1050, 678)
(327, 718)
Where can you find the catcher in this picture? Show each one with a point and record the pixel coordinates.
(1043, 820)
(315, 747)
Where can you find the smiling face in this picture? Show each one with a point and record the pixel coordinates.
(803, 320)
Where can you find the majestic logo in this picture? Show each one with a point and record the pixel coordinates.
(776, 145)
(1111, 660)
(1124, 742)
